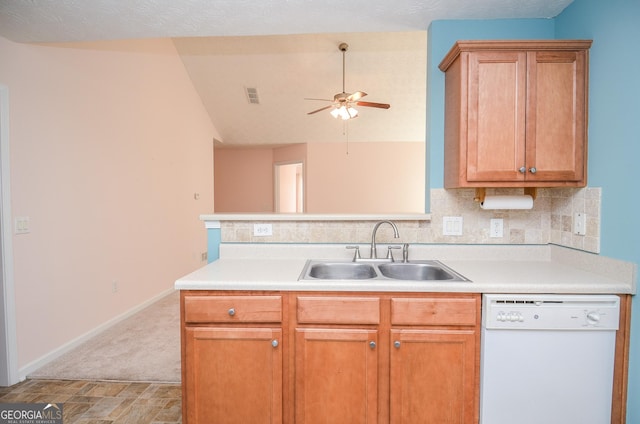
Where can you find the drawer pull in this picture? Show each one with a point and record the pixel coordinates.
(232, 312)
(396, 344)
(372, 344)
(274, 343)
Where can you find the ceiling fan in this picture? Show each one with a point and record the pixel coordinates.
(343, 103)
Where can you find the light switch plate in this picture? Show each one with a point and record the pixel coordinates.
(452, 226)
(22, 225)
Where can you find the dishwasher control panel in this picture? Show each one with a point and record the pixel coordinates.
(559, 312)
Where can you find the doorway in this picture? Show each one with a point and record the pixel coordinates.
(289, 187)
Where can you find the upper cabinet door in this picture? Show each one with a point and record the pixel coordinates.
(496, 116)
(556, 115)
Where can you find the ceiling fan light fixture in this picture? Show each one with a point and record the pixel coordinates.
(341, 107)
(344, 112)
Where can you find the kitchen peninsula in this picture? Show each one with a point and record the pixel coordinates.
(261, 345)
(490, 269)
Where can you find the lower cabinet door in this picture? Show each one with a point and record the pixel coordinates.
(336, 376)
(233, 375)
(433, 377)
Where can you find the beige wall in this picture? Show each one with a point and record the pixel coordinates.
(291, 153)
(109, 145)
(236, 187)
(383, 177)
(380, 177)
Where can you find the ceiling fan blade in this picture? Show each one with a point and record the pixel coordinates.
(371, 104)
(320, 110)
(322, 100)
(356, 96)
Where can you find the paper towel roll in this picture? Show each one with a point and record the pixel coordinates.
(507, 202)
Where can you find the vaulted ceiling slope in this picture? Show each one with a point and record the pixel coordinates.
(286, 49)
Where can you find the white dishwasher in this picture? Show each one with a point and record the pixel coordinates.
(547, 359)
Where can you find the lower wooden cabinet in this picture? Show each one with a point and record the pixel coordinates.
(312, 358)
(233, 375)
(232, 358)
(336, 376)
(433, 376)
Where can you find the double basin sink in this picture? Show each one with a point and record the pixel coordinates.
(374, 270)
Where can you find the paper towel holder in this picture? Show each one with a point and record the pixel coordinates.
(481, 192)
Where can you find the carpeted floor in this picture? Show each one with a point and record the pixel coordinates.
(144, 347)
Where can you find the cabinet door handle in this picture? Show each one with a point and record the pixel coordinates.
(522, 169)
(533, 170)
(396, 344)
(274, 342)
(232, 312)
(372, 344)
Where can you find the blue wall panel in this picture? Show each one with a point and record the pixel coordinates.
(614, 136)
(214, 238)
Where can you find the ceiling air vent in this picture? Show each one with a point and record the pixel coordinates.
(252, 95)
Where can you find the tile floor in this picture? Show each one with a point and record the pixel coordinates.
(99, 402)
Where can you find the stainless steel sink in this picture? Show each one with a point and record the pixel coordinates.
(425, 271)
(341, 271)
(376, 270)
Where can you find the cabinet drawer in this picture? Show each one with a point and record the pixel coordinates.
(433, 311)
(232, 309)
(338, 310)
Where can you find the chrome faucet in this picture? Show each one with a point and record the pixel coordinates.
(396, 234)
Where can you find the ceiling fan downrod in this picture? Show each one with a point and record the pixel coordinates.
(343, 47)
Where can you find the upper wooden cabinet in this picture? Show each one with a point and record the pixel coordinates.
(516, 113)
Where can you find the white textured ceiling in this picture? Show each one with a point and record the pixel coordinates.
(287, 49)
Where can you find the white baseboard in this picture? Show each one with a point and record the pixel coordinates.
(24, 372)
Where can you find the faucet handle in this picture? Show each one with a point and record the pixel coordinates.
(356, 255)
(390, 254)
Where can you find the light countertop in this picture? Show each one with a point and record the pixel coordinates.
(490, 269)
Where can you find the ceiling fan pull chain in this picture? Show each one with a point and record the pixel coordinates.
(345, 132)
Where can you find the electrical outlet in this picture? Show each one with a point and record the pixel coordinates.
(452, 226)
(580, 224)
(262, 230)
(496, 228)
(204, 256)
(114, 286)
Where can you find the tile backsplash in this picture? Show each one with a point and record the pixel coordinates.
(549, 221)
